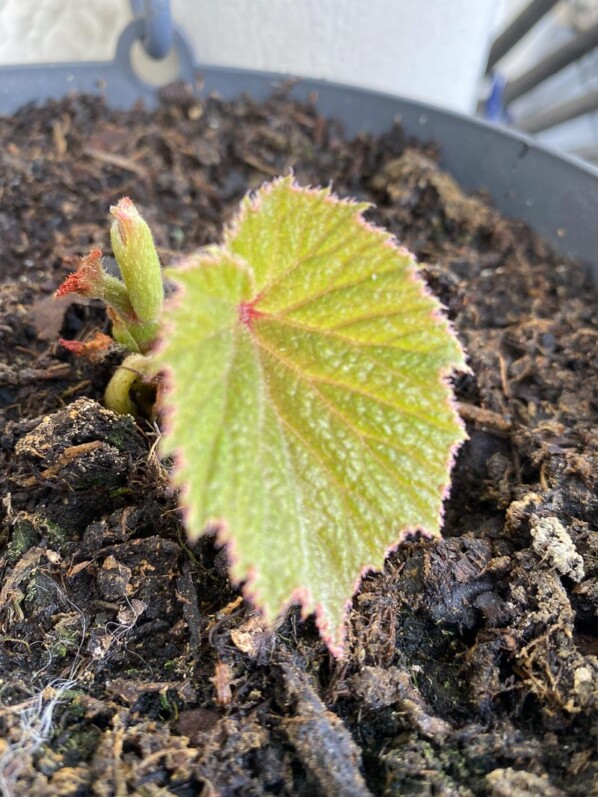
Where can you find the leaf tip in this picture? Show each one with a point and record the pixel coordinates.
(126, 215)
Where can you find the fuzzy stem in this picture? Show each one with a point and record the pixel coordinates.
(115, 294)
(117, 396)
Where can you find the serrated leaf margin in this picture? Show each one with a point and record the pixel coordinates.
(333, 638)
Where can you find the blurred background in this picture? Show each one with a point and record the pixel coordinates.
(532, 64)
(543, 72)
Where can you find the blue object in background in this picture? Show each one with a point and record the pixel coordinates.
(494, 107)
(157, 19)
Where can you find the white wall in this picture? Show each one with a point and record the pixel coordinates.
(43, 31)
(433, 50)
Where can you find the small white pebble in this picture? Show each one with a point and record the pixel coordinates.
(585, 685)
(551, 541)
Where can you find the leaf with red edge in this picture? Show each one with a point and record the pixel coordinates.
(306, 399)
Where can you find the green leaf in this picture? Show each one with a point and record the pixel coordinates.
(306, 399)
(137, 258)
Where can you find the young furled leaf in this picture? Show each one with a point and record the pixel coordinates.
(306, 399)
(135, 305)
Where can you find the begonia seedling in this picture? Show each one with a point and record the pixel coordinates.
(305, 399)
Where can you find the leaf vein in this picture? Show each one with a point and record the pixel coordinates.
(328, 291)
(283, 276)
(361, 436)
(356, 391)
(332, 333)
(382, 314)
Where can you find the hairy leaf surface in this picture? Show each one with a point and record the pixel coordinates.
(306, 400)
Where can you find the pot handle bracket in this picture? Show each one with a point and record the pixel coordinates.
(117, 80)
(157, 20)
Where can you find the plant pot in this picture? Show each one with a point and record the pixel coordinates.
(519, 174)
(470, 664)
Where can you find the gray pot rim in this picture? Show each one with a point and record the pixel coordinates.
(557, 195)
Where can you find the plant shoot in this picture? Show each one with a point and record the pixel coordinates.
(305, 396)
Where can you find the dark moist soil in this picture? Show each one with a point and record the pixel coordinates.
(128, 663)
